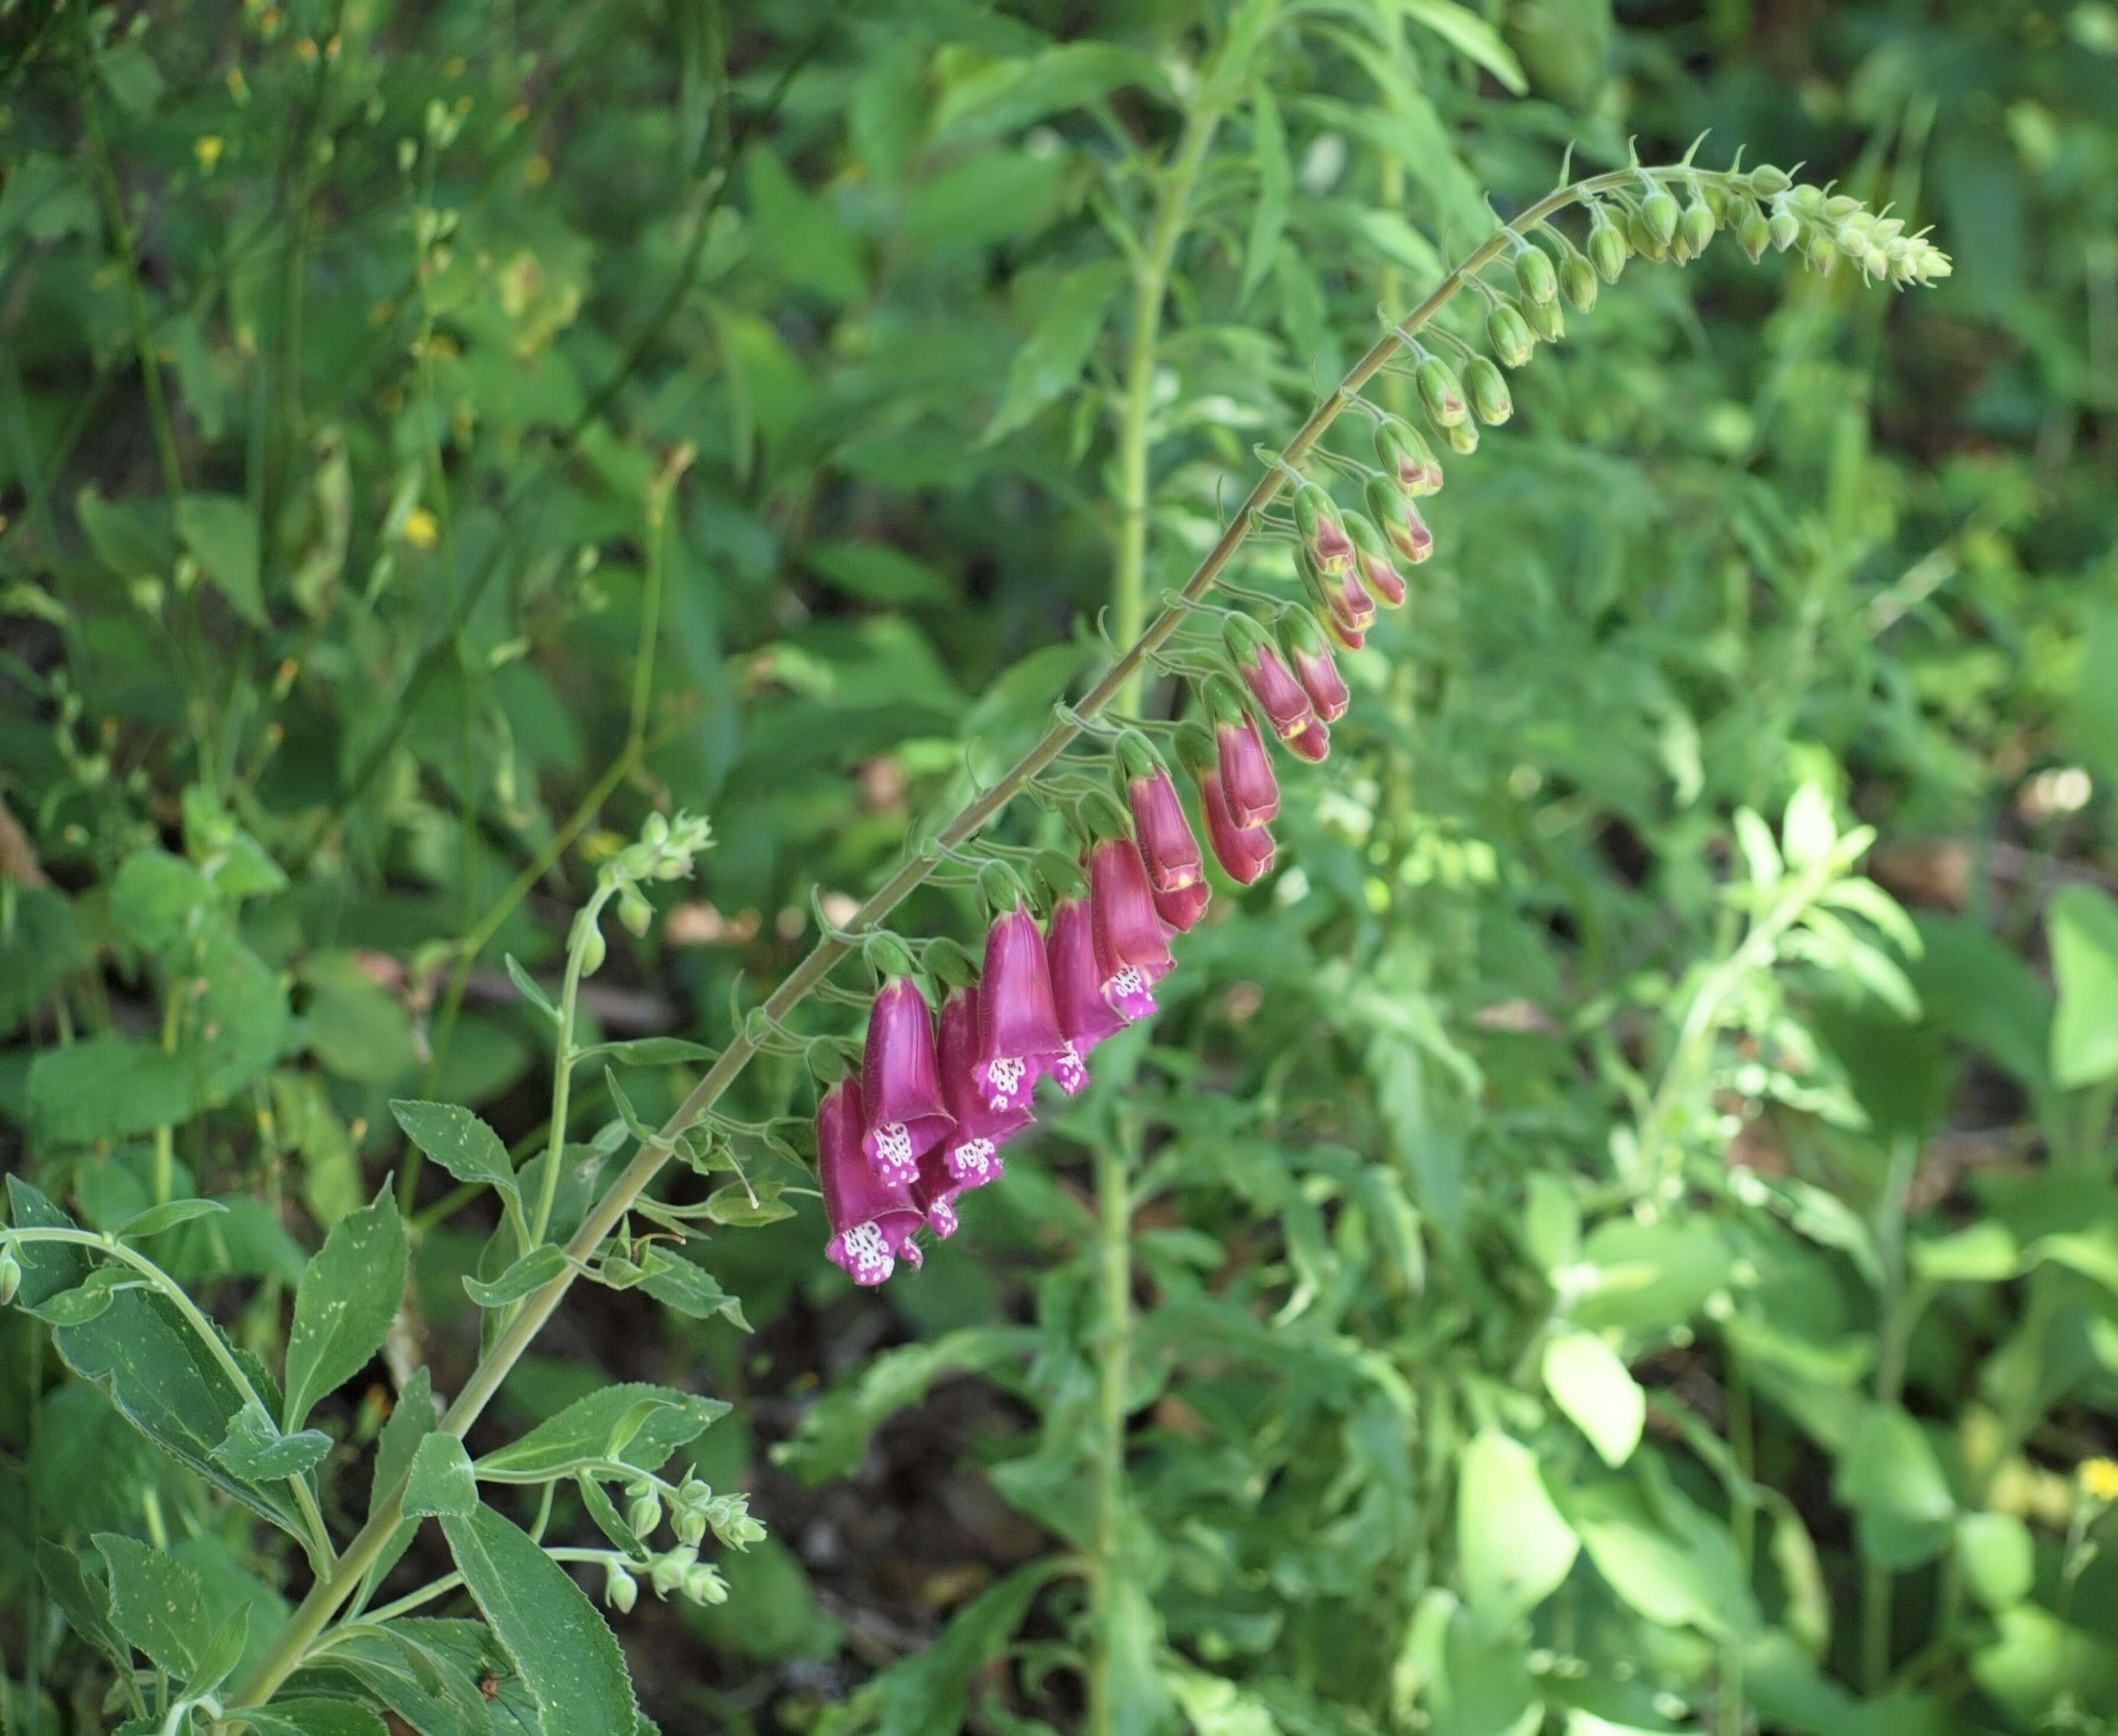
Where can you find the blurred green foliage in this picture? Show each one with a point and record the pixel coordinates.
(1586, 1262)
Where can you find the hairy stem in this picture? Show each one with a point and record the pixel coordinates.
(331, 1589)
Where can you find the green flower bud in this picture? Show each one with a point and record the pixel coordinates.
(1509, 335)
(887, 956)
(1716, 196)
(635, 912)
(690, 1526)
(1534, 276)
(703, 1584)
(643, 1511)
(949, 964)
(1405, 456)
(1441, 392)
(593, 952)
(1577, 281)
(667, 1573)
(1839, 207)
(620, 1591)
(1463, 437)
(1696, 226)
(1784, 229)
(1488, 391)
(655, 829)
(1806, 197)
(1640, 236)
(1754, 234)
(1607, 249)
(1659, 210)
(11, 1276)
(1546, 321)
(1766, 181)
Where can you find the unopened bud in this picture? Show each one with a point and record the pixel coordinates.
(1696, 226)
(1754, 234)
(593, 951)
(1784, 229)
(690, 1526)
(1440, 393)
(1509, 335)
(1659, 210)
(1640, 236)
(667, 1573)
(1407, 456)
(1839, 207)
(1546, 320)
(1717, 198)
(643, 1512)
(887, 956)
(1488, 391)
(1533, 273)
(620, 1591)
(1766, 181)
(703, 1584)
(1606, 248)
(1463, 437)
(635, 912)
(11, 1276)
(1317, 519)
(1577, 281)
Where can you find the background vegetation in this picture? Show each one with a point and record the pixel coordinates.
(1569, 1256)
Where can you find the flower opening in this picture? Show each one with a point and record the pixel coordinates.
(905, 1116)
(1019, 1039)
(872, 1221)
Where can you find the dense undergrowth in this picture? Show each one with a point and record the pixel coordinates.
(1615, 1231)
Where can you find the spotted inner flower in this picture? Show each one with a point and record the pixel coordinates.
(1018, 1035)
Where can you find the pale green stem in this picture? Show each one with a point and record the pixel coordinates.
(320, 1547)
(332, 1590)
(562, 1063)
(1114, 1374)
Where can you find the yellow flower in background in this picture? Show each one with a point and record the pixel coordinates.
(421, 528)
(207, 148)
(2099, 1479)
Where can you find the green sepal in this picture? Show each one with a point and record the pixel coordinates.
(949, 965)
(887, 956)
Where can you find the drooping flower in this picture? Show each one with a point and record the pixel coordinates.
(1180, 909)
(1313, 743)
(935, 1193)
(1244, 852)
(1313, 667)
(872, 1221)
(1132, 948)
(970, 1156)
(905, 1113)
(1407, 456)
(1341, 599)
(1396, 517)
(1086, 1016)
(1257, 660)
(1247, 780)
(1316, 517)
(1166, 842)
(1019, 1038)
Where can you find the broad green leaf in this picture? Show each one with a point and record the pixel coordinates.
(802, 235)
(233, 861)
(1983, 1253)
(314, 1717)
(926, 1694)
(557, 1637)
(2082, 927)
(358, 1029)
(470, 1648)
(532, 1272)
(832, 1437)
(132, 536)
(84, 1597)
(88, 1300)
(107, 1087)
(429, 1689)
(1978, 991)
(689, 1288)
(1551, 1223)
(412, 1419)
(348, 1296)
(1588, 1381)
(1047, 366)
(992, 197)
(223, 1652)
(1469, 34)
(439, 1483)
(221, 533)
(254, 1450)
(40, 946)
(1891, 1480)
(1807, 831)
(1006, 94)
(1653, 1573)
(458, 1140)
(1651, 1275)
(2037, 1662)
(1514, 1545)
(1998, 1557)
(159, 899)
(157, 1603)
(1217, 1707)
(167, 1216)
(587, 1429)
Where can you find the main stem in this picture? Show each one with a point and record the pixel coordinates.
(315, 1610)
(1114, 1375)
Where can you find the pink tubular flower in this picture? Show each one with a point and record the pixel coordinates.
(971, 1154)
(1406, 531)
(904, 1112)
(935, 1194)
(1132, 951)
(1180, 909)
(1247, 780)
(1166, 842)
(1311, 658)
(1257, 660)
(1313, 743)
(1352, 606)
(1317, 521)
(1244, 852)
(1085, 1017)
(1019, 1036)
(872, 1221)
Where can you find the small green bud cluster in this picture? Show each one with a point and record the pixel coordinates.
(697, 1509)
(10, 1276)
(663, 852)
(680, 1571)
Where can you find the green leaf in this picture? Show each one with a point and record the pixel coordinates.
(224, 1651)
(874, 572)
(85, 1598)
(159, 899)
(1983, 1253)
(430, 1690)
(1275, 187)
(1049, 364)
(254, 1450)
(585, 1429)
(832, 1437)
(348, 1296)
(314, 1717)
(1008, 95)
(527, 987)
(440, 1483)
(1551, 1223)
(86, 1301)
(558, 1640)
(1470, 35)
(649, 1051)
(459, 1141)
(167, 1216)
(804, 237)
(221, 533)
(1588, 1381)
(2082, 926)
(412, 1419)
(742, 1206)
(132, 536)
(107, 1088)
(532, 1272)
(1807, 830)
(1999, 1559)
(926, 1694)
(689, 1288)
(356, 1027)
(157, 1603)
(40, 946)
(1514, 1544)
(1891, 1480)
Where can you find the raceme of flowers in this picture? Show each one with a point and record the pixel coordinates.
(925, 1119)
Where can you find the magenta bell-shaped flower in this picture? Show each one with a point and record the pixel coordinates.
(872, 1221)
(1085, 1017)
(1179, 910)
(905, 1114)
(1257, 660)
(1318, 674)
(1019, 1036)
(1244, 852)
(935, 1193)
(1132, 949)
(970, 1156)
(1312, 744)
(1247, 780)
(1166, 843)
